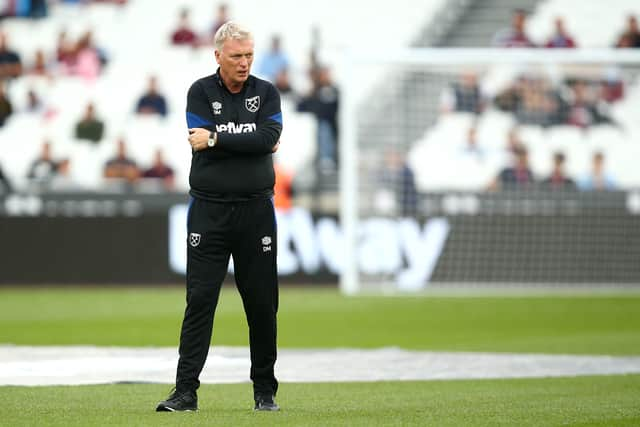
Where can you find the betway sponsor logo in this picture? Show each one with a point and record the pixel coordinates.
(402, 249)
(231, 127)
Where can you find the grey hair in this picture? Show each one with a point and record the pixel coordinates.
(231, 30)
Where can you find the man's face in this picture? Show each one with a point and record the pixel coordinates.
(518, 21)
(235, 59)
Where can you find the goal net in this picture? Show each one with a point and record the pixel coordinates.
(488, 167)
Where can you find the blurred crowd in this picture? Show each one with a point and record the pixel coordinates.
(83, 58)
(531, 98)
(515, 36)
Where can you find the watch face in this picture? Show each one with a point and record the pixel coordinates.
(210, 142)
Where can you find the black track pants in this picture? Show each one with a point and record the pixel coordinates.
(246, 231)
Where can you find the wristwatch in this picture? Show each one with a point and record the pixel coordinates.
(213, 138)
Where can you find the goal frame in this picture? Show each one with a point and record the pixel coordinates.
(351, 60)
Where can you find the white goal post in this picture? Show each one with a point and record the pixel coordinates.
(394, 106)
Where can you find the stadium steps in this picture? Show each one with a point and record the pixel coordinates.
(477, 26)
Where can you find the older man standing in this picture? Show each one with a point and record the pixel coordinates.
(234, 122)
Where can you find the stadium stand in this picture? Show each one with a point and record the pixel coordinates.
(615, 134)
(132, 55)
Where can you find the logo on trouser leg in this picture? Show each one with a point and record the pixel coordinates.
(266, 244)
(194, 239)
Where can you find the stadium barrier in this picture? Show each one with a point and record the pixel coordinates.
(505, 238)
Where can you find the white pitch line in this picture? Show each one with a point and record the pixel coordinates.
(22, 365)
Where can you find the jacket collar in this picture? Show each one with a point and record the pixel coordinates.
(249, 82)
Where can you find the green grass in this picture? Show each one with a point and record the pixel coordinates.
(585, 401)
(586, 324)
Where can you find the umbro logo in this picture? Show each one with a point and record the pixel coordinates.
(194, 239)
(266, 244)
(253, 103)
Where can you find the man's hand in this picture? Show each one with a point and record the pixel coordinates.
(198, 138)
(275, 147)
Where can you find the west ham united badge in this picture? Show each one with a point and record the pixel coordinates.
(194, 239)
(252, 103)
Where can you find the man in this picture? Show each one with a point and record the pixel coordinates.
(558, 180)
(152, 101)
(517, 176)
(515, 35)
(89, 127)
(121, 167)
(160, 170)
(631, 36)
(44, 168)
(274, 62)
(234, 123)
(597, 179)
(560, 38)
(323, 103)
(10, 63)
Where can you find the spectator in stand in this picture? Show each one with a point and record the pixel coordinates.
(471, 148)
(41, 67)
(62, 180)
(396, 186)
(611, 86)
(161, 170)
(515, 35)
(65, 51)
(6, 109)
(10, 63)
(121, 167)
(184, 35)
(5, 184)
(34, 103)
(323, 104)
(152, 102)
(222, 16)
(513, 141)
(274, 61)
(282, 82)
(39, 9)
(89, 127)
(538, 103)
(631, 36)
(584, 110)
(560, 38)
(516, 176)
(464, 95)
(28, 9)
(598, 179)
(510, 98)
(44, 168)
(558, 179)
(88, 62)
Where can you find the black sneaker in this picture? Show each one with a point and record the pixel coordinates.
(179, 401)
(265, 403)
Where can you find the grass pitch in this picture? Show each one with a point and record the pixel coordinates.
(587, 324)
(584, 401)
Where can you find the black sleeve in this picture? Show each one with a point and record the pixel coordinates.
(198, 112)
(266, 135)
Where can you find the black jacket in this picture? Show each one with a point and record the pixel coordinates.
(249, 123)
